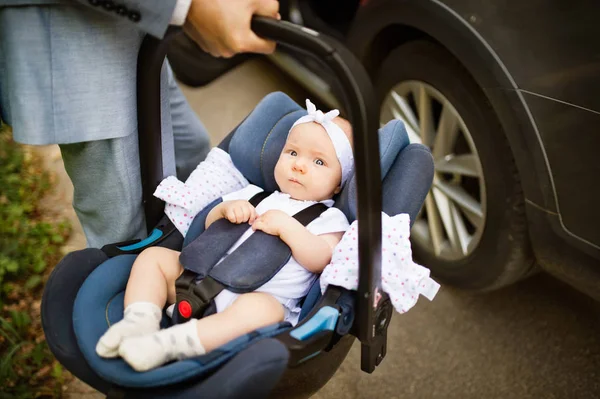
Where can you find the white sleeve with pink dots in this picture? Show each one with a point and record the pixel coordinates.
(213, 178)
(401, 278)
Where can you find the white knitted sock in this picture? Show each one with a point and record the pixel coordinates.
(178, 342)
(139, 318)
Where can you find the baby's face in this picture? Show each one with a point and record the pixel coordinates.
(308, 168)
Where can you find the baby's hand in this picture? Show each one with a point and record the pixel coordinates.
(271, 222)
(238, 211)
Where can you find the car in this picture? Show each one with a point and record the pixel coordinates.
(505, 95)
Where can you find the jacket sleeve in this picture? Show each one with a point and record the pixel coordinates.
(150, 16)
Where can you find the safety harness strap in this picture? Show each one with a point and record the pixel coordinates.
(195, 291)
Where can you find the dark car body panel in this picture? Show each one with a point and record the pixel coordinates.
(550, 47)
(553, 55)
(371, 33)
(571, 138)
(538, 64)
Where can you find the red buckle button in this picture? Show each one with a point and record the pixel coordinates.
(185, 309)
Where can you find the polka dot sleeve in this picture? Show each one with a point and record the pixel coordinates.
(214, 177)
(401, 278)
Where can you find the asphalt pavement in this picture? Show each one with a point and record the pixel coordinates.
(536, 339)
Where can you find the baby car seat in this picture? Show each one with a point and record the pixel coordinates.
(84, 294)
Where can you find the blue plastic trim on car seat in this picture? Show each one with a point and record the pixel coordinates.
(156, 234)
(325, 319)
(99, 304)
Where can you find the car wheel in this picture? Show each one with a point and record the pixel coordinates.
(472, 230)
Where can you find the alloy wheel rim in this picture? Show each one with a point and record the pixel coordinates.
(452, 221)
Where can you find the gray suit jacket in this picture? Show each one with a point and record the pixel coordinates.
(68, 67)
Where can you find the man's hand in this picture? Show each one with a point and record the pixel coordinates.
(222, 27)
(238, 211)
(272, 222)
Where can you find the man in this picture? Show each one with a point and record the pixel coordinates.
(68, 77)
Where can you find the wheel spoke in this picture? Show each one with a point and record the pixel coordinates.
(420, 233)
(435, 224)
(470, 207)
(465, 165)
(400, 109)
(446, 134)
(461, 231)
(443, 205)
(425, 116)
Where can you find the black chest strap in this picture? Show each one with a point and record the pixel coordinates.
(258, 197)
(204, 252)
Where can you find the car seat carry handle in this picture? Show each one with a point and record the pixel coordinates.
(151, 57)
(360, 107)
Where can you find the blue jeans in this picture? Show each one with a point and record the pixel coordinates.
(106, 173)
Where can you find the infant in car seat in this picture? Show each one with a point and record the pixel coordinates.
(315, 163)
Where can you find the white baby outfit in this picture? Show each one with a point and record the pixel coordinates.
(293, 281)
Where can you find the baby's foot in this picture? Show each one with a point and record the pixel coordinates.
(140, 318)
(150, 351)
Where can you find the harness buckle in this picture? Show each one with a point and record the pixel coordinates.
(193, 297)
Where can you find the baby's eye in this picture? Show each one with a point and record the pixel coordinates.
(293, 153)
(319, 162)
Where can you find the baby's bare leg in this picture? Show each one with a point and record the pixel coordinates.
(153, 276)
(248, 312)
(151, 283)
(196, 337)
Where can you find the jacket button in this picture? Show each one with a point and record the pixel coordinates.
(134, 16)
(95, 2)
(108, 5)
(121, 10)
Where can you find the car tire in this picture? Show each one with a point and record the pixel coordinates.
(503, 253)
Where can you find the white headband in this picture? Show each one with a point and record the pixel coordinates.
(343, 149)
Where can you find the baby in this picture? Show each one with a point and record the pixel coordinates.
(315, 163)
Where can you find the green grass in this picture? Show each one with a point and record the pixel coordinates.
(29, 248)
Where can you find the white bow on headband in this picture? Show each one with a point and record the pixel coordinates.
(343, 149)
